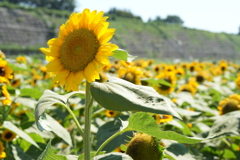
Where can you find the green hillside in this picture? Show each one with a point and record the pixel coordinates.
(26, 29)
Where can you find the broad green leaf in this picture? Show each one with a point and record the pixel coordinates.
(30, 92)
(227, 124)
(143, 122)
(120, 95)
(113, 156)
(46, 122)
(19, 154)
(107, 130)
(123, 55)
(8, 125)
(179, 152)
(48, 154)
(48, 99)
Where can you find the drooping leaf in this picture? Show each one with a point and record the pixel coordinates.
(8, 125)
(143, 122)
(44, 121)
(123, 55)
(120, 95)
(48, 154)
(48, 99)
(113, 156)
(227, 124)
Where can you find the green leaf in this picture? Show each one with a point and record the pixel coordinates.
(123, 55)
(113, 156)
(143, 122)
(120, 95)
(8, 125)
(48, 99)
(48, 154)
(107, 130)
(227, 124)
(46, 122)
(30, 92)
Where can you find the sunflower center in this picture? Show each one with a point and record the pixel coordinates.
(200, 79)
(8, 135)
(2, 71)
(78, 50)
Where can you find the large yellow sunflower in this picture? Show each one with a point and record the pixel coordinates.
(80, 50)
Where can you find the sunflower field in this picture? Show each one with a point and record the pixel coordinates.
(88, 99)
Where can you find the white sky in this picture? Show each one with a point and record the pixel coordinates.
(210, 15)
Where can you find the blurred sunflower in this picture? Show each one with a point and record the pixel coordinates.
(237, 81)
(162, 118)
(2, 153)
(5, 72)
(184, 65)
(80, 50)
(193, 66)
(179, 72)
(111, 114)
(201, 76)
(21, 59)
(4, 92)
(232, 103)
(157, 69)
(223, 65)
(8, 135)
(170, 78)
(187, 88)
(169, 68)
(131, 74)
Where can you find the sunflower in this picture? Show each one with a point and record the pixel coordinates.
(162, 118)
(168, 77)
(8, 135)
(187, 88)
(179, 72)
(237, 81)
(111, 114)
(5, 72)
(2, 153)
(21, 59)
(223, 65)
(201, 76)
(131, 73)
(80, 50)
(4, 92)
(232, 103)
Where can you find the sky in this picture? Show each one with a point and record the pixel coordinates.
(210, 15)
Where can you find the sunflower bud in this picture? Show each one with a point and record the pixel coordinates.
(144, 147)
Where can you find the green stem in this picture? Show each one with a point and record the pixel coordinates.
(87, 127)
(75, 120)
(109, 139)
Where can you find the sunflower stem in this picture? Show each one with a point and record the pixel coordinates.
(87, 127)
(109, 139)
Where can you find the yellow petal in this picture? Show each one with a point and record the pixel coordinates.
(46, 51)
(61, 75)
(106, 37)
(90, 72)
(54, 66)
(102, 59)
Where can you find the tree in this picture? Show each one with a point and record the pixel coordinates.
(173, 19)
(51, 4)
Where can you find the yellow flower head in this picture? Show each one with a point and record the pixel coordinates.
(111, 114)
(162, 118)
(168, 77)
(131, 74)
(21, 59)
(187, 88)
(80, 50)
(2, 153)
(8, 135)
(232, 103)
(4, 93)
(5, 72)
